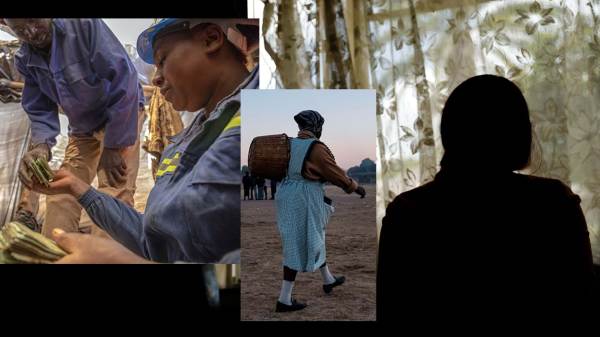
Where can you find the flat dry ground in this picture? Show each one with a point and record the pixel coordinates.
(351, 251)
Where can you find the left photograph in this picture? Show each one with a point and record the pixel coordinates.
(121, 139)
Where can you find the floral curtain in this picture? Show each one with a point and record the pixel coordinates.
(414, 53)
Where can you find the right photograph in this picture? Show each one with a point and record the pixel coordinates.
(488, 142)
(309, 239)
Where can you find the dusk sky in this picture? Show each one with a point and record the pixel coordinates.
(349, 128)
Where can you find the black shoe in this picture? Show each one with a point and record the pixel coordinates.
(295, 306)
(327, 288)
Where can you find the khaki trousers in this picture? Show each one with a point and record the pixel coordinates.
(82, 156)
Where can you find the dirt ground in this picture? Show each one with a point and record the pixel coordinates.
(351, 252)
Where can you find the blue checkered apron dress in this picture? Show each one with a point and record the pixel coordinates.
(302, 213)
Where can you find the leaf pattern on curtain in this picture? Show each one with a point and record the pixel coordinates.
(415, 52)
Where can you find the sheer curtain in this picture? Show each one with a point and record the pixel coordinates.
(416, 52)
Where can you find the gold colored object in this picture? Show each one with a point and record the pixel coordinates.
(228, 275)
(19, 244)
(164, 122)
(42, 171)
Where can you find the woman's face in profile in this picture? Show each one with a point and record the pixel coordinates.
(184, 71)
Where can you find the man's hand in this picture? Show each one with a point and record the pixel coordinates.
(114, 166)
(361, 191)
(88, 249)
(64, 182)
(41, 151)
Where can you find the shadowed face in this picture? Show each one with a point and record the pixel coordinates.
(310, 120)
(35, 32)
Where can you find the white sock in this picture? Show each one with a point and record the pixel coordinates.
(327, 277)
(285, 296)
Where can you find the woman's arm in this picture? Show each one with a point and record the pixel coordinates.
(579, 256)
(123, 223)
(321, 165)
(120, 221)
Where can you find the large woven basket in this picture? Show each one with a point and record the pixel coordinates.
(269, 156)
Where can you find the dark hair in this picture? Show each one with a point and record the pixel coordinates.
(239, 55)
(486, 121)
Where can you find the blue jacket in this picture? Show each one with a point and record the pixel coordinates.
(89, 75)
(193, 211)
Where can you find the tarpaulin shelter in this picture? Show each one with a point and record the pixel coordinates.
(14, 131)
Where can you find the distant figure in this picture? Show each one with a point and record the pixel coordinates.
(260, 184)
(273, 188)
(480, 237)
(303, 210)
(266, 191)
(246, 181)
(252, 187)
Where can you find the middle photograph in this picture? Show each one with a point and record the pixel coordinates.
(308, 229)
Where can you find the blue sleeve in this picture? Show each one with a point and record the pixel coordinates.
(42, 111)
(215, 184)
(111, 62)
(121, 222)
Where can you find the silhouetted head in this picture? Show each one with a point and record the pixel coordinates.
(310, 120)
(485, 126)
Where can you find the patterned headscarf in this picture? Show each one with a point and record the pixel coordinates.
(310, 120)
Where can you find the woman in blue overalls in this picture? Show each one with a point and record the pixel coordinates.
(303, 210)
(193, 211)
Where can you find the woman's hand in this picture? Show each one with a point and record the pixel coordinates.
(88, 249)
(361, 191)
(64, 182)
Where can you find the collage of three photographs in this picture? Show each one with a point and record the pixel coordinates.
(319, 160)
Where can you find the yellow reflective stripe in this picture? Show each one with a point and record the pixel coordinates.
(167, 161)
(235, 121)
(170, 168)
(165, 166)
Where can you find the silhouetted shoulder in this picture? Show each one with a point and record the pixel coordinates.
(415, 195)
(406, 204)
(547, 187)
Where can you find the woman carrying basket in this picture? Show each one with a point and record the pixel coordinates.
(303, 210)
